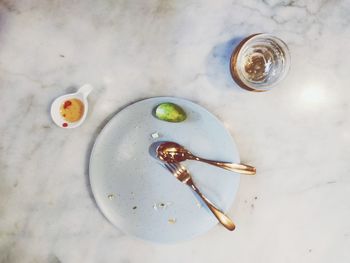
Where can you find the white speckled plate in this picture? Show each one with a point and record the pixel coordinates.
(127, 181)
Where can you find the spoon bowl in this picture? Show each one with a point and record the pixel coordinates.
(172, 152)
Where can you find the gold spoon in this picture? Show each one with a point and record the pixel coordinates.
(182, 174)
(172, 152)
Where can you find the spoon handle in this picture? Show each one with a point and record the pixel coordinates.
(222, 218)
(234, 167)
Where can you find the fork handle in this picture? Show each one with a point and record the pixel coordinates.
(223, 219)
(234, 167)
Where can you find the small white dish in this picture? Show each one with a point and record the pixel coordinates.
(81, 95)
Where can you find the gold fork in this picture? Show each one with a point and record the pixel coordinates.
(182, 174)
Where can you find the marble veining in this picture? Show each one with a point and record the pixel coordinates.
(296, 209)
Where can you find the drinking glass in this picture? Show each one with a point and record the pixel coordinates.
(259, 62)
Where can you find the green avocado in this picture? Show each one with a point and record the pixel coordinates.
(170, 112)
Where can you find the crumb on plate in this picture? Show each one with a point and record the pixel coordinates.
(155, 135)
(161, 205)
(172, 220)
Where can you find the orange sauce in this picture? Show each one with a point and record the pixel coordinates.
(72, 110)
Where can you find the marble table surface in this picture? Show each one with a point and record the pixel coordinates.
(297, 209)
